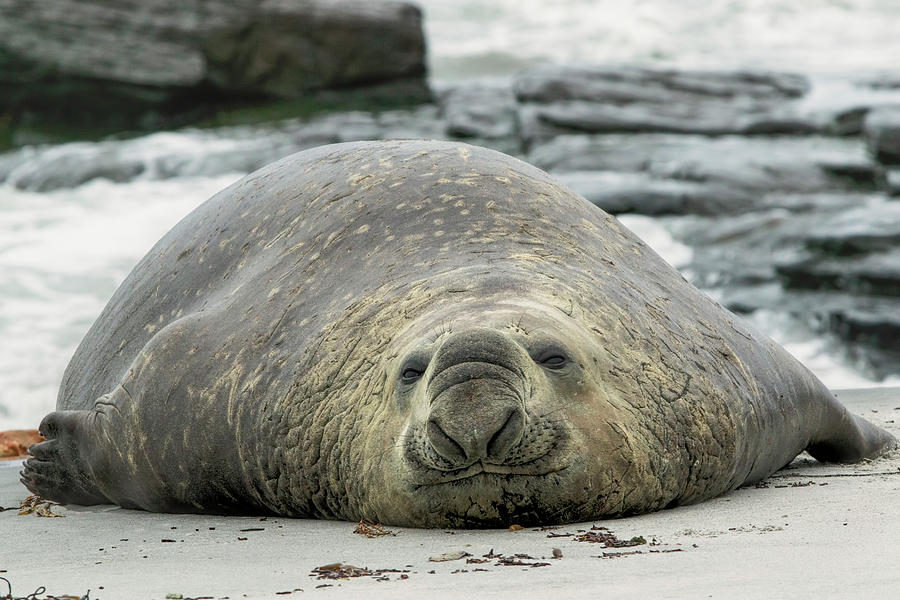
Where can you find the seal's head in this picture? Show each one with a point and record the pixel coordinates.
(501, 421)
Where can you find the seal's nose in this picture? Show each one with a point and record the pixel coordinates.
(476, 394)
(479, 345)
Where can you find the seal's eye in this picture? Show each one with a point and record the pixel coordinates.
(552, 358)
(554, 362)
(409, 375)
(412, 370)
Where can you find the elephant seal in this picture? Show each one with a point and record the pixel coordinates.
(422, 334)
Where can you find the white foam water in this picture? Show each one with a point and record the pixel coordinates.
(469, 37)
(62, 254)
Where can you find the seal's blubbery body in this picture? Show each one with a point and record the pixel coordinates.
(426, 334)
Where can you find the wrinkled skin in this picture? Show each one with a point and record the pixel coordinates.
(425, 334)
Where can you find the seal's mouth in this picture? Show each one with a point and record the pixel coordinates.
(481, 472)
(482, 468)
(540, 450)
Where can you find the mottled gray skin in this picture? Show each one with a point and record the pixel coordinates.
(426, 334)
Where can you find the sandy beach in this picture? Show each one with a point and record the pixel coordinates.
(809, 531)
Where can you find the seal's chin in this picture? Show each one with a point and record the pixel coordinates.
(477, 497)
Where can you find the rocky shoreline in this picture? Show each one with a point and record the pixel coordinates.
(79, 65)
(786, 194)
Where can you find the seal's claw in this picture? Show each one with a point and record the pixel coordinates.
(31, 481)
(42, 450)
(32, 476)
(55, 470)
(38, 474)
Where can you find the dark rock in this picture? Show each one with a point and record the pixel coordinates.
(846, 242)
(820, 205)
(830, 261)
(876, 273)
(543, 122)
(882, 130)
(860, 173)
(857, 231)
(740, 250)
(882, 81)
(286, 48)
(745, 170)
(893, 182)
(642, 193)
(632, 100)
(874, 332)
(625, 85)
(126, 60)
(867, 327)
(479, 112)
(204, 152)
(848, 121)
(880, 328)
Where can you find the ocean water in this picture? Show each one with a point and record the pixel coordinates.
(62, 253)
(822, 37)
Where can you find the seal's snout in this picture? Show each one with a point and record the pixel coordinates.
(472, 422)
(476, 397)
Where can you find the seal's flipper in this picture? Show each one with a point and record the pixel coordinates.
(844, 437)
(57, 470)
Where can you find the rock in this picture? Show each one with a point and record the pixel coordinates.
(875, 333)
(546, 121)
(744, 169)
(423, 122)
(857, 231)
(856, 250)
(893, 182)
(876, 274)
(738, 251)
(12, 161)
(748, 299)
(832, 261)
(204, 152)
(126, 60)
(641, 193)
(848, 121)
(624, 85)
(633, 100)
(860, 173)
(286, 48)
(480, 112)
(882, 131)
(829, 242)
(839, 105)
(881, 81)
(74, 164)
